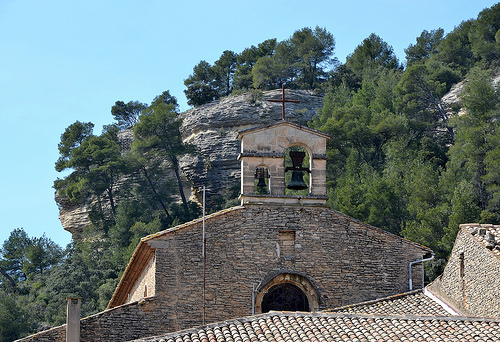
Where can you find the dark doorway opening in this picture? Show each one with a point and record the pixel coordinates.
(285, 297)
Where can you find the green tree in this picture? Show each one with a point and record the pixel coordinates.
(13, 256)
(372, 53)
(225, 68)
(314, 51)
(158, 134)
(473, 159)
(42, 253)
(455, 51)
(201, 85)
(14, 320)
(71, 139)
(127, 114)
(246, 60)
(167, 99)
(425, 47)
(485, 36)
(421, 89)
(96, 164)
(265, 73)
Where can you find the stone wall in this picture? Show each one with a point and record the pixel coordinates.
(345, 260)
(337, 259)
(471, 279)
(123, 323)
(145, 285)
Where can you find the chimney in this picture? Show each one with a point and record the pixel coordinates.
(73, 319)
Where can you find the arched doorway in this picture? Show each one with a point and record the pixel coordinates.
(285, 297)
(286, 292)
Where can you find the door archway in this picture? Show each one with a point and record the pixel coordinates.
(285, 297)
(286, 292)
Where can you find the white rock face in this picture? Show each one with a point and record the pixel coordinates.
(213, 128)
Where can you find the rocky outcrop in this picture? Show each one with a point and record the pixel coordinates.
(213, 129)
(451, 100)
(74, 217)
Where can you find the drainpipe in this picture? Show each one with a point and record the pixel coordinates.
(416, 262)
(253, 300)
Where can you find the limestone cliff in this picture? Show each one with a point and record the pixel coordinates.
(213, 129)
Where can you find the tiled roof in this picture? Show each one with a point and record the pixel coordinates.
(488, 234)
(410, 303)
(303, 326)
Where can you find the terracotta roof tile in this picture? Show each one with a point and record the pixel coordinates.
(488, 234)
(325, 327)
(411, 303)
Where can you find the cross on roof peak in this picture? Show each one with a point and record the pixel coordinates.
(283, 100)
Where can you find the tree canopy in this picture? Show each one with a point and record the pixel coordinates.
(301, 62)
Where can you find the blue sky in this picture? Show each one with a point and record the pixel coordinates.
(63, 61)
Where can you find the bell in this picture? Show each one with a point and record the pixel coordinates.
(297, 157)
(261, 173)
(297, 181)
(262, 182)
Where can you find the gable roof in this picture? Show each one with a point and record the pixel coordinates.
(144, 252)
(284, 123)
(304, 326)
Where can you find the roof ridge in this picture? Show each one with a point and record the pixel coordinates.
(373, 301)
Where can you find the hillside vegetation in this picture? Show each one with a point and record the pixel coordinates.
(400, 158)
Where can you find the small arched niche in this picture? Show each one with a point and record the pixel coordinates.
(286, 292)
(294, 176)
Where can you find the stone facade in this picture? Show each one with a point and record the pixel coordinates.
(266, 147)
(471, 279)
(335, 259)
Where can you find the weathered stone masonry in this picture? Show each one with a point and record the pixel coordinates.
(471, 279)
(344, 260)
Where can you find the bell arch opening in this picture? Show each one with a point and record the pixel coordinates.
(262, 180)
(297, 171)
(286, 292)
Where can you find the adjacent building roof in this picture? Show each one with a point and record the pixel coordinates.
(415, 303)
(303, 326)
(488, 234)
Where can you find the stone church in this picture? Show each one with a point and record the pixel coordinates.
(282, 249)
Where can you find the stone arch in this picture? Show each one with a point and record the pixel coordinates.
(297, 280)
(301, 144)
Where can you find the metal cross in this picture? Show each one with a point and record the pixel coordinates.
(283, 101)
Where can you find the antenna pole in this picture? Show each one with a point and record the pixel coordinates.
(204, 256)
